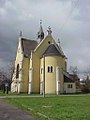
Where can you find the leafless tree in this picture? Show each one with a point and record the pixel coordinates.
(75, 75)
(73, 70)
(6, 74)
(86, 81)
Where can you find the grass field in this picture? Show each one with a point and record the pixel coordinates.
(56, 107)
(16, 94)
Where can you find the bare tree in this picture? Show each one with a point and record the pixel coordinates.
(86, 80)
(75, 75)
(87, 72)
(74, 70)
(6, 74)
(10, 69)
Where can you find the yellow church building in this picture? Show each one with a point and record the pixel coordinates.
(41, 66)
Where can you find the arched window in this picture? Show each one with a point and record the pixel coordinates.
(17, 71)
(50, 69)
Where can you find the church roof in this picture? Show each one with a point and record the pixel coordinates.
(53, 50)
(28, 46)
(67, 77)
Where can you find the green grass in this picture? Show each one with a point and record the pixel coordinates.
(4, 94)
(56, 107)
(16, 94)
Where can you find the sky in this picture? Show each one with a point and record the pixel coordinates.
(68, 19)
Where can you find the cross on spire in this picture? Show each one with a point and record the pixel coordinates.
(20, 33)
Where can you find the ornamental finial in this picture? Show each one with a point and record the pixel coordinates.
(49, 30)
(40, 22)
(58, 42)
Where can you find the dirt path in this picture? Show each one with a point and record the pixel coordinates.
(10, 112)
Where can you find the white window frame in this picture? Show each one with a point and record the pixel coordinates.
(70, 86)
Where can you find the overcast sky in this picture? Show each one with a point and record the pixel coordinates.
(69, 20)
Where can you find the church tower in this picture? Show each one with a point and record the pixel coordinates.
(40, 34)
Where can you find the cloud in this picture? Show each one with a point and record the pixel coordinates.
(69, 22)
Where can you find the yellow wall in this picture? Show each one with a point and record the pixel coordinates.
(18, 60)
(24, 66)
(50, 78)
(25, 75)
(19, 57)
(36, 62)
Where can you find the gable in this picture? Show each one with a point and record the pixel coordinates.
(48, 46)
(47, 40)
(42, 46)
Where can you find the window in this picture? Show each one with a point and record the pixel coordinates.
(48, 42)
(17, 71)
(70, 86)
(50, 69)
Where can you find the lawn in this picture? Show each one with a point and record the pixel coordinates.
(16, 94)
(56, 107)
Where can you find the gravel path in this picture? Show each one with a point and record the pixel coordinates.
(10, 112)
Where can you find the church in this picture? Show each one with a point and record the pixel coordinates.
(41, 66)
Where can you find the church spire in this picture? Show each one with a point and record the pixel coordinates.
(40, 33)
